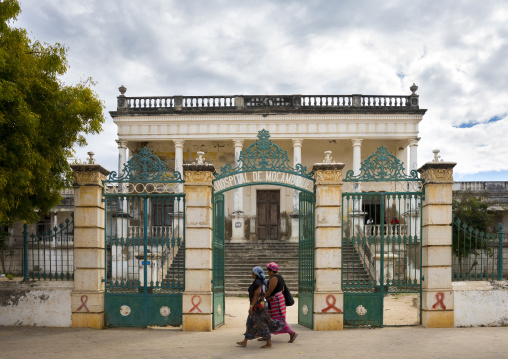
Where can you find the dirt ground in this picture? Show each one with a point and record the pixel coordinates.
(390, 343)
(398, 310)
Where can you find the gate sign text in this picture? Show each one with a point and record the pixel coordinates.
(245, 178)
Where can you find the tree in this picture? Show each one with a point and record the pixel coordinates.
(41, 119)
(473, 224)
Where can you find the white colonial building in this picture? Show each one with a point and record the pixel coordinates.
(352, 127)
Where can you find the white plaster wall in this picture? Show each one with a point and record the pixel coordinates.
(13, 261)
(481, 304)
(44, 304)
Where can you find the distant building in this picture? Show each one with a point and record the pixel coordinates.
(497, 191)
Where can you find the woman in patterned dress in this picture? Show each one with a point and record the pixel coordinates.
(259, 324)
(276, 302)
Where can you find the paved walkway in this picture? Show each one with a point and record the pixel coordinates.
(407, 342)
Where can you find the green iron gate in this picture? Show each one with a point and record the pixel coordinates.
(265, 163)
(145, 245)
(306, 260)
(219, 297)
(381, 238)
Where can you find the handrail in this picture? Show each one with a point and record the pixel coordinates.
(474, 186)
(267, 101)
(366, 252)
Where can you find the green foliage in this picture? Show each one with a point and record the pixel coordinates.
(473, 223)
(41, 119)
(473, 208)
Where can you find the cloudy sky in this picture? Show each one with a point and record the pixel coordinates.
(455, 51)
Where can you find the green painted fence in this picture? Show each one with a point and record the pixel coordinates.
(49, 255)
(476, 255)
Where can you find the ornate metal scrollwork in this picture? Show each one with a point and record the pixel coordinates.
(144, 172)
(381, 166)
(264, 155)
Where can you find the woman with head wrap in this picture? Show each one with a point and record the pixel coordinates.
(259, 324)
(276, 302)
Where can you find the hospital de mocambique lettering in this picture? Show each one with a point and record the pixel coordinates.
(263, 176)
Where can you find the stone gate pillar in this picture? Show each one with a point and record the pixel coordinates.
(87, 298)
(198, 296)
(328, 296)
(437, 292)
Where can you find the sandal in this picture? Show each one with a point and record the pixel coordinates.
(293, 337)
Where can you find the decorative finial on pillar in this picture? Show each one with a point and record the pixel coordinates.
(413, 98)
(437, 157)
(91, 160)
(122, 90)
(328, 157)
(413, 89)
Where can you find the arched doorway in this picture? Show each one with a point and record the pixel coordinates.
(265, 163)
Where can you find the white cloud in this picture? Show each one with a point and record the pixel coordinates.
(454, 51)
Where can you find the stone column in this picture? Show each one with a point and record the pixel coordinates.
(328, 296)
(238, 216)
(121, 212)
(87, 298)
(413, 213)
(122, 155)
(198, 248)
(297, 159)
(359, 216)
(437, 292)
(357, 155)
(413, 154)
(55, 222)
(179, 161)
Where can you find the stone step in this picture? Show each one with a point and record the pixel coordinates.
(240, 258)
(283, 267)
(265, 254)
(351, 259)
(262, 262)
(248, 278)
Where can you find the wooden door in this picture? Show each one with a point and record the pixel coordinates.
(268, 214)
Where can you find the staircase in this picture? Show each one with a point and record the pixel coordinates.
(352, 266)
(175, 272)
(240, 258)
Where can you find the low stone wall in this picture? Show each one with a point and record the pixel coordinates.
(481, 304)
(40, 304)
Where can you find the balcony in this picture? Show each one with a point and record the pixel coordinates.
(267, 104)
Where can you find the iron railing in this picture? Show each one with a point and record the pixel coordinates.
(49, 255)
(478, 186)
(476, 255)
(145, 243)
(279, 101)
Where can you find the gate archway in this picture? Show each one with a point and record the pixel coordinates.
(265, 163)
(381, 238)
(144, 244)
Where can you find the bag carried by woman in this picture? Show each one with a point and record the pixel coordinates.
(287, 296)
